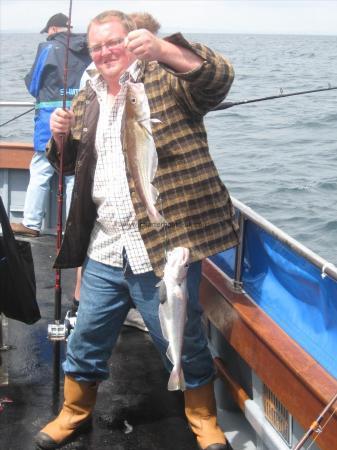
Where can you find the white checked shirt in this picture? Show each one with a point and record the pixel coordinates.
(116, 226)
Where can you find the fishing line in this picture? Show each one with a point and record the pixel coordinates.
(16, 117)
(315, 426)
(165, 226)
(321, 428)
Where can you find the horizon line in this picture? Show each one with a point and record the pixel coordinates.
(165, 32)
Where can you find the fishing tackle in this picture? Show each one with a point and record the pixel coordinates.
(315, 426)
(54, 331)
(226, 105)
(17, 117)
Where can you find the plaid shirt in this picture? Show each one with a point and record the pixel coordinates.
(192, 198)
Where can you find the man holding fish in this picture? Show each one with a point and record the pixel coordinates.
(147, 207)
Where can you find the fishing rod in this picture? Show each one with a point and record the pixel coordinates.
(226, 105)
(58, 289)
(56, 331)
(315, 426)
(221, 106)
(17, 117)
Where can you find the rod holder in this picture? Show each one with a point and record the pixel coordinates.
(237, 282)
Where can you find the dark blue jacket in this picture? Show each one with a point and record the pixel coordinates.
(46, 77)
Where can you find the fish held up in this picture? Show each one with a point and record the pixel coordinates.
(173, 311)
(141, 154)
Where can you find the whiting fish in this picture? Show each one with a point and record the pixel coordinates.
(172, 311)
(142, 158)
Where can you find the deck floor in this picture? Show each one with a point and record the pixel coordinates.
(134, 409)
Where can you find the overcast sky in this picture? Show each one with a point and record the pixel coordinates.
(227, 16)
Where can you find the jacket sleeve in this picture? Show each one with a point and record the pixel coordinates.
(201, 89)
(34, 77)
(69, 155)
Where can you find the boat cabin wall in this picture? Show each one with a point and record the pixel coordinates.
(259, 421)
(14, 178)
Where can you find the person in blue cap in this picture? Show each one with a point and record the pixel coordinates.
(45, 83)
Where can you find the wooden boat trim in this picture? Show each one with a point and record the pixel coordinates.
(238, 393)
(15, 155)
(299, 382)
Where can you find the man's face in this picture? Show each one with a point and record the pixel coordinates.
(112, 59)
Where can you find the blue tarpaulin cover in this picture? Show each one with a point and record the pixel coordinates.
(291, 290)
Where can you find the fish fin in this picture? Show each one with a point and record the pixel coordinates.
(154, 193)
(152, 119)
(169, 353)
(154, 215)
(145, 123)
(176, 380)
(152, 170)
(162, 292)
(163, 324)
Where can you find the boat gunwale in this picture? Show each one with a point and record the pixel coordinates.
(15, 155)
(291, 373)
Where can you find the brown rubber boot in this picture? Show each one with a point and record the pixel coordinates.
(75, 415)
(200, 410)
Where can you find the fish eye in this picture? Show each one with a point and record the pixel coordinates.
(133, 100)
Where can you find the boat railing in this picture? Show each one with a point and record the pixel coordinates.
(29, 104)
(245, 212)
(294, 286)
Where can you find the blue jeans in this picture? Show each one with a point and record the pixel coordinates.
(41, 172)
(106, 297)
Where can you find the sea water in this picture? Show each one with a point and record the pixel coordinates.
(279, 156)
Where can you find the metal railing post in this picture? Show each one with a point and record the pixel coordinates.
(237, 283)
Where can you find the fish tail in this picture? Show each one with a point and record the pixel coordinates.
(153, 213)
(156, 218)
(182, 381)
(176, 380)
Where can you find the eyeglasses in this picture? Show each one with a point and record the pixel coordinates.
(110, 45)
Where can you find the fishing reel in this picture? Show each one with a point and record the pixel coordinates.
(57, 331)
